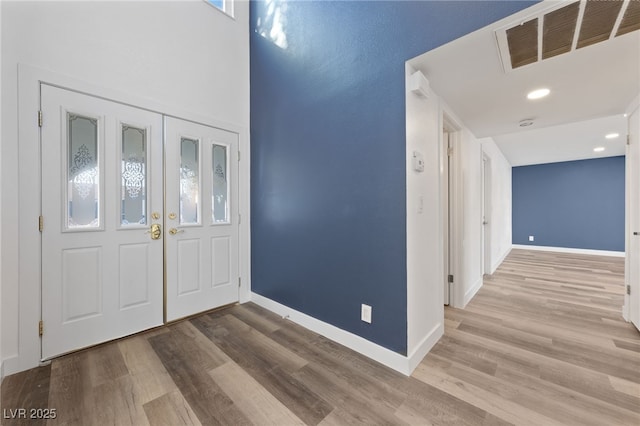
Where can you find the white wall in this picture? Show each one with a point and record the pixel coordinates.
(425, 309)
(499, 229)
(187, 55)
(1, 358)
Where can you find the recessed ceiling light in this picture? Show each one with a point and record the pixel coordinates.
(612, 135)
(539, 93)
(598, 149)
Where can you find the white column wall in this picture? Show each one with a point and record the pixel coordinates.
(425, 309)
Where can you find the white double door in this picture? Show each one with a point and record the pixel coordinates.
(140, 220)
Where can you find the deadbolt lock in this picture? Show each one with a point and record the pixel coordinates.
(155, 231)
(172, 216)
(155, 215)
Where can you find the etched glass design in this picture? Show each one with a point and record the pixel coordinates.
(189, 181)
(83, 172)
(134, 176)
(220, 186)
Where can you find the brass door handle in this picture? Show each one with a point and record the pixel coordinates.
(155, 231)
(174, 231)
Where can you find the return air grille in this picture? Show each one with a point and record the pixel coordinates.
(559, 30)
(631, 20)
(598, 21)
(523, 43)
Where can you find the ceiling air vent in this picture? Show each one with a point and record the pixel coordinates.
(563, 28)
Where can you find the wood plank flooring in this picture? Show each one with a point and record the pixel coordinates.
(542, 343)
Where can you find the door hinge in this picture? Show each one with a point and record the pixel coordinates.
(628, 139)
(238, 155)
(40, 223)
(239, 219)
(41, 328)
(39, 118)
(449, 152)
(629, 290)
(239, 282)
(450, 278)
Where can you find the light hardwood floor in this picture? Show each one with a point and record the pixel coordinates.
(542, 343)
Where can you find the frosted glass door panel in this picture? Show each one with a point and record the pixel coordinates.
(189, 181)
(220, 185)
(134, 176)
(83, 173)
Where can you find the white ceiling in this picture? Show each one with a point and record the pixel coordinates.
(589, 88)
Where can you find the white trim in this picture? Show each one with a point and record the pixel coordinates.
(29, 79)
(570, 250)
(635, 104)
(451, 121)
(501, 259)
(1, 372)
(402, 364)
(472, 291)
(422, 349)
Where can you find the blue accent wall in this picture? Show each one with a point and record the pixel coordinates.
(575, 204)
(328, 204)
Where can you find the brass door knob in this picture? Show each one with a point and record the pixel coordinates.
(155, 231)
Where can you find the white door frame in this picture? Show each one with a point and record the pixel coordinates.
(29, 79)
(450, 126)
(630, 186)
(486, 214)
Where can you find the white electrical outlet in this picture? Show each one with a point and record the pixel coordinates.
(365, 313)
(531, 238)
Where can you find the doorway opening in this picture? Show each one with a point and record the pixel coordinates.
(486, 215)
(450, 137)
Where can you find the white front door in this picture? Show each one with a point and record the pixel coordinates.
(202, 218)
(101, 196)
(633, 256)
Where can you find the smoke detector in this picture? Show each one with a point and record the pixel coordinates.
(526, 122)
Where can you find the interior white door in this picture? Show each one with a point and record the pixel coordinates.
(486, 214)
(446, 217)
(101, 195)
(201, 172)
(633, 163)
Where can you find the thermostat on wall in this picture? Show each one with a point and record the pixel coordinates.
(418, 162)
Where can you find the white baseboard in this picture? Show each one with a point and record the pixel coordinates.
(423, 348)
(393, 360)
(570, 250)
(501, 259)
(472, 292)
(1, 372)
(11, 365)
